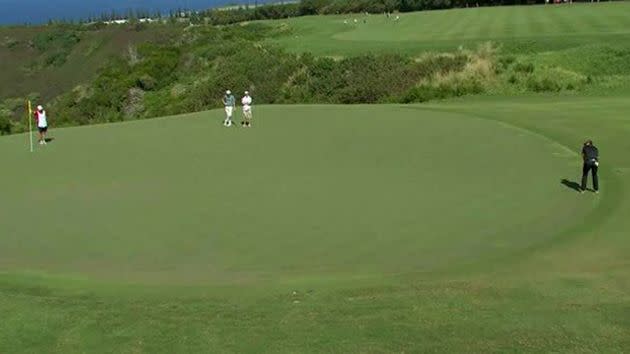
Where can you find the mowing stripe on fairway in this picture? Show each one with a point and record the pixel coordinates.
(519, 28)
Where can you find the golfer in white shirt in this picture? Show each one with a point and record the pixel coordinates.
(247, 110)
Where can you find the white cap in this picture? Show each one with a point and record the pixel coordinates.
(40, 108)
(247, 92)
(228, 92)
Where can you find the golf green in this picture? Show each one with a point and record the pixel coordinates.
(309, 191)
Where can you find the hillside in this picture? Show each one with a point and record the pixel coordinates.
(49, 60)
(67, 56)
(98, 74)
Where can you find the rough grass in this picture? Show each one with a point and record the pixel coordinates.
(485, 71)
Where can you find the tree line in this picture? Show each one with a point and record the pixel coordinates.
(245, 13)
(328, 7)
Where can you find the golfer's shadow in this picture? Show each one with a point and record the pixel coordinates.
(48, 140)
(571, 184)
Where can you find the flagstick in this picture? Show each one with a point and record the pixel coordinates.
(30, 124)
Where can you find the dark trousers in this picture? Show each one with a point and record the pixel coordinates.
(593, 169)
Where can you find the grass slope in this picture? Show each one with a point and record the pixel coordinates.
(24, 70)
(322, 229)
(519, 29)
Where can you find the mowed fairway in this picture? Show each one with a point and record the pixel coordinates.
(323, 228)
(518, 29)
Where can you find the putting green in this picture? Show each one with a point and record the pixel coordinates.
(310, 191)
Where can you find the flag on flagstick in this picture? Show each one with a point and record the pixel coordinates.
(30, 123)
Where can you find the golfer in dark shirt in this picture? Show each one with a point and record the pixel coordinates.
(590, 155)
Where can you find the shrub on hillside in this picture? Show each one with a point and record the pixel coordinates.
(276, 11)
(9, 42)
(56, 38)
(5, 120)
(312, 7)
(98, 103)
(362, 79)
(431, 64)
(372, 79)
(157, 66)
(263, 71)
(12, 114)
(525, 68)
(56, 59)
(146, 82)
(464, 73)
(554, 79)
(57, 43)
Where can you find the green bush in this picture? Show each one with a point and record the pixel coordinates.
(57, 43)
(56, 38)
(464, 73)
(526, 68)
(555, 79)
(5, 121)
(505, 61)
(263, 71)
(372, 79)
(146, 82)
(12, 116)
(56, 59)
(432, 64)
(430, 91)
(158, 63)
(423, 93)
(362, 79)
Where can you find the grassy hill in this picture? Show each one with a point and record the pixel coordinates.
(50, 60)
(89, 75)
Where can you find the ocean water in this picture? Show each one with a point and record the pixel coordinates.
(40, 11)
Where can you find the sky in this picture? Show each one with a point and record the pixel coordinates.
(40, 11)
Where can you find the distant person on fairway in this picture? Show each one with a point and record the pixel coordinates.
(247, 110)
(229, 102)
(590, 155)
(42, 124)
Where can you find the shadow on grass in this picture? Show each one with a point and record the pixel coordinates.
(571, 184)
(48, 140)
